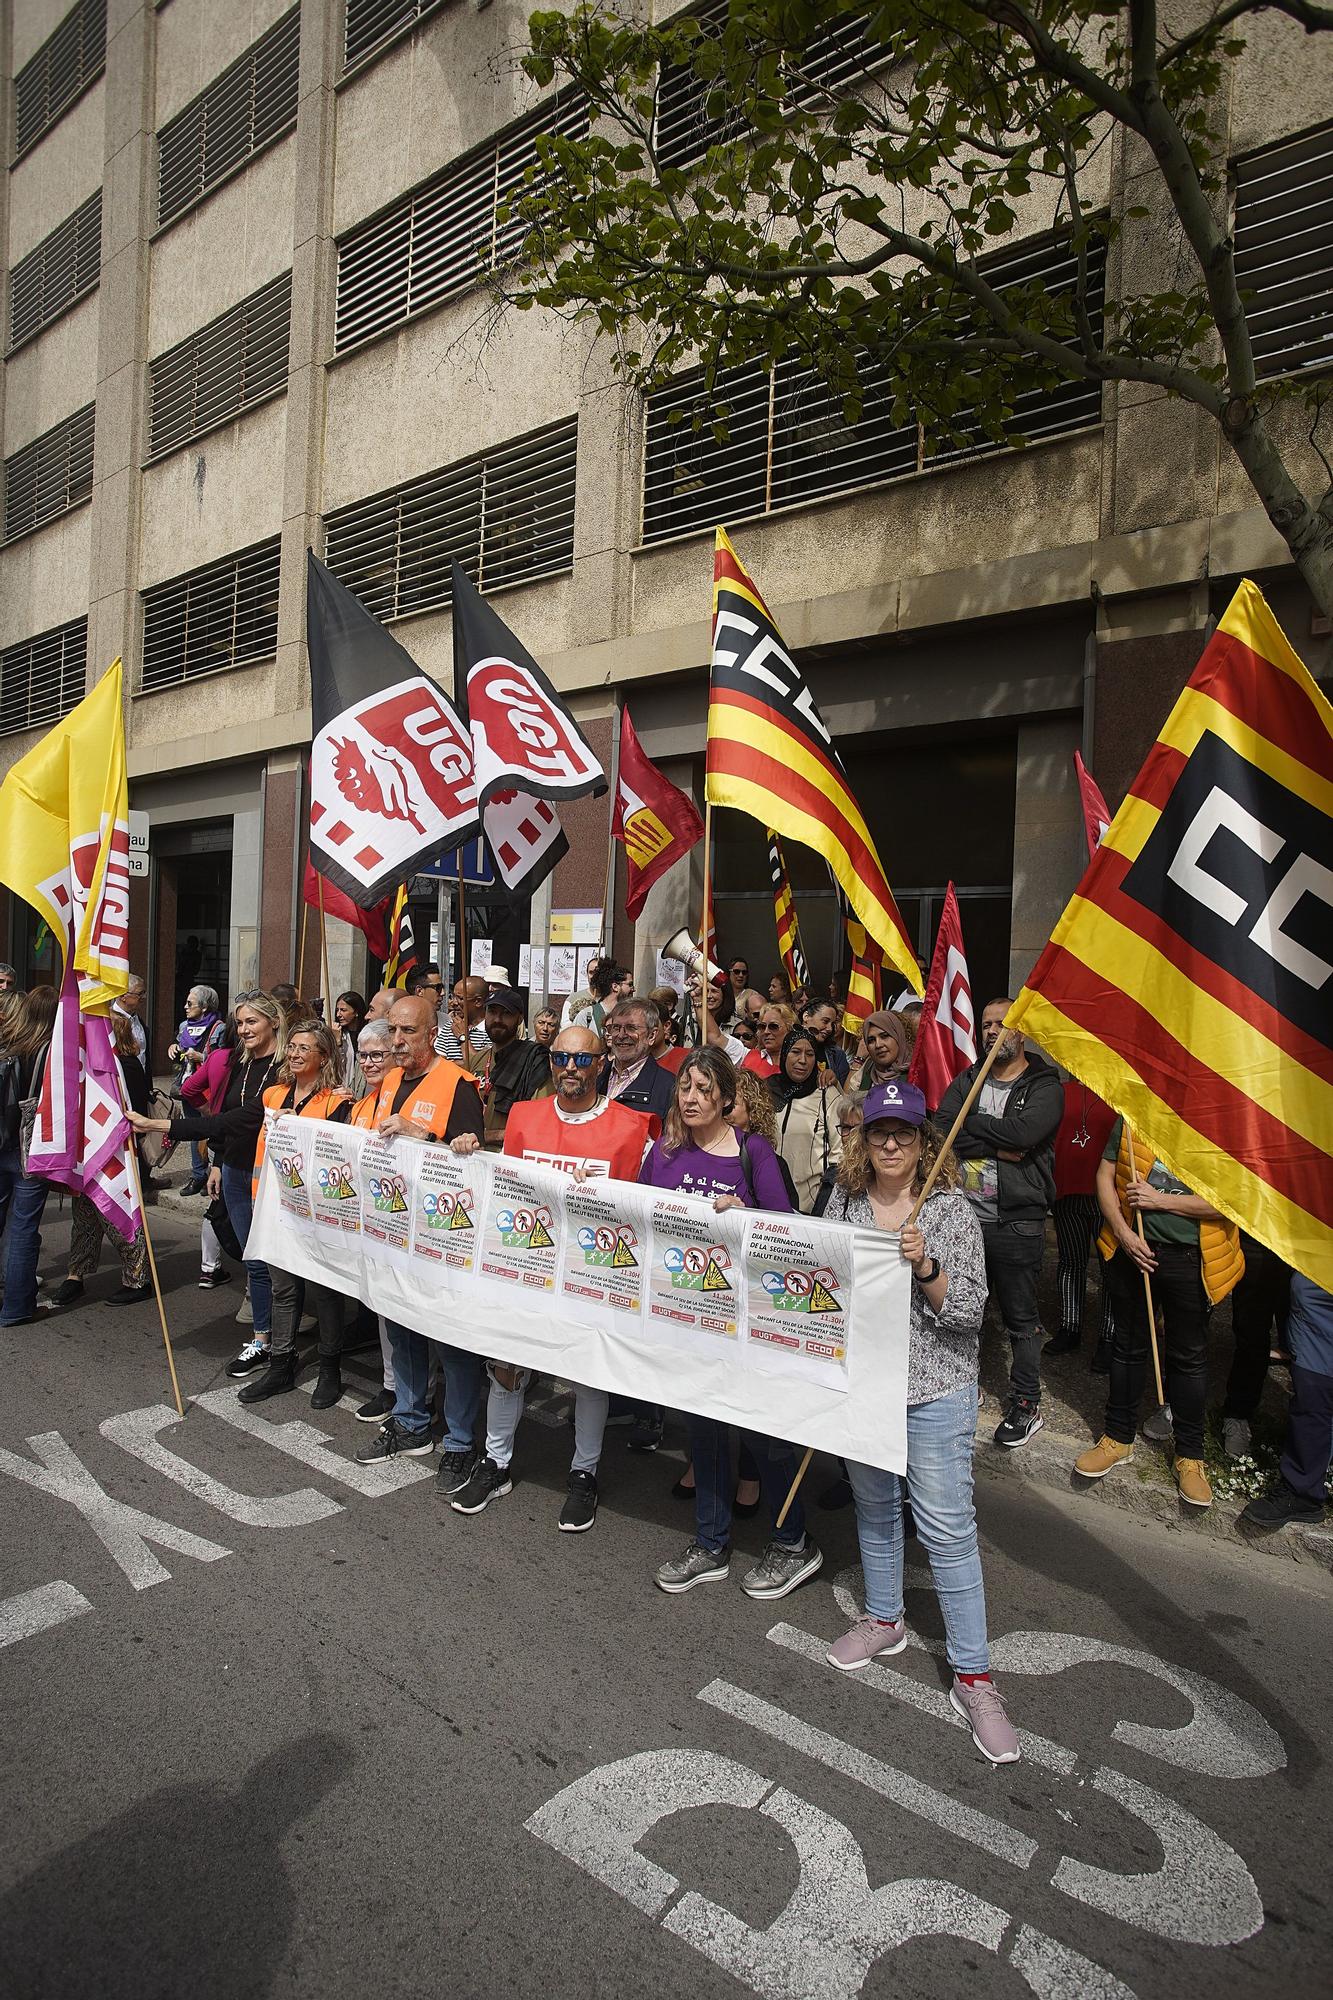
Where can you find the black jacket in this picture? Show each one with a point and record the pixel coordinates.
(1031, 1118)
(652, 1089)
(233, 1132)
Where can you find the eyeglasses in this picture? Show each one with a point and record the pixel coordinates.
(431, 986)
(583, 1060)
(888, 1135)
(849, 1124)
(375, 1053)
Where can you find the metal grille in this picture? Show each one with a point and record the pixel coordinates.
(436, 241)
(506, 516)
(223, 616)
(370, 22)
(232, 363)
(50, 475)
(247, 108)
(788, 440)
(70, 59)
(1284, 251)
(56, 273)
(41, 679)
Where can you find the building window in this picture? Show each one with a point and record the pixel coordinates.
(370, 22)
(243, 111)
(41, 679)
(506, 516)
(787, 440)
(1284, 251)
(436, 241)
(225, 615)
(57, 273)
(50, 475)
(69, 60)
(231, 364)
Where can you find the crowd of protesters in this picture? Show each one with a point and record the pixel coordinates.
(744, 1101)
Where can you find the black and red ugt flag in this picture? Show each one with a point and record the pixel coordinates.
(528, 751)
(391, 778)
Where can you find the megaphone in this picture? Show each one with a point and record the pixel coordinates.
(687, 953)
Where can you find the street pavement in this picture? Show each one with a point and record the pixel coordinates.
(276, 1724)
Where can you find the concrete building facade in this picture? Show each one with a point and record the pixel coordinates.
(242, 317)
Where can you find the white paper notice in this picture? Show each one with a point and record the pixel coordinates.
(480, 957)
(562, 969)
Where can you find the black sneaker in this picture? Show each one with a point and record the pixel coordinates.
(66, 1292)
(455, 1470)
(1066, 1341)
(210, 1280)
(253, 1355)
(390, 1441)
(580, 1509)
(1019, 1424)
(646, 1434)
(487, 1481)
(378, 1408)
(1281, 1507)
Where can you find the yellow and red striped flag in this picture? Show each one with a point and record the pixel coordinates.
(402, 943)
(1189, 980)
(865, 983)
(770, 755)
(784, 913)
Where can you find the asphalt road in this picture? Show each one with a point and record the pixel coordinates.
(278, 1735)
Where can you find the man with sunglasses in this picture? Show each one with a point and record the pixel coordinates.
(579, 1131)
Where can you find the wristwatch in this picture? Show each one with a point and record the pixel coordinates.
(929, 1277)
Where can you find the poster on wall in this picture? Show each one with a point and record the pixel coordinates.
(561, 963)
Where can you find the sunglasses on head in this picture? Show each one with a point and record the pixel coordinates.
(584, 1059)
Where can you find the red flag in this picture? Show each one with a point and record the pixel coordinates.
(946, 1034)
(1096, 813)
(370, 922)
(657, 822)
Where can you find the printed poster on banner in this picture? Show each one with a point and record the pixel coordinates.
(335, 1180)
(691, 1278)
(798, 1280)
(520, 1238)
(445, 1206)
(604, 1253)
(386, 1212)
(291, 1168)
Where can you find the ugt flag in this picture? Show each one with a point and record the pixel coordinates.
(655, 821)
(1189, 980)
(946, 1033)
(1096, 812)
(391, 782)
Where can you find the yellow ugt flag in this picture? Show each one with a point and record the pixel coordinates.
(65, 839)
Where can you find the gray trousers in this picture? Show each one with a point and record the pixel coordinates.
(327, 1306)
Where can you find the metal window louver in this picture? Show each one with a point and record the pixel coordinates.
(247, 108)
(505, 516)
(789, 442)
(42, 678)
(236, 361)
(50, 475)
(224, 615)
(71, 58)
(370, 22)
(1284, 251)
(56, 273)
(436, 241)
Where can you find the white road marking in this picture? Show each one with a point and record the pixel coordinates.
(317, 1450)
(137, 1433)
(1054, 1972)
(34, 1611)
(910, 1793)
(123, 1531)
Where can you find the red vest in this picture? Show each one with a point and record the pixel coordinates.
(610, 1144)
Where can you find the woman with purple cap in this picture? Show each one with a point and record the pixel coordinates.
(884, 1167)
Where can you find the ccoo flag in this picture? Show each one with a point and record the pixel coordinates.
(946, 1034)
(656, 822)
(1188, 981)
(770, 755)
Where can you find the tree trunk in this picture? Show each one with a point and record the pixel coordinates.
(1306, 530)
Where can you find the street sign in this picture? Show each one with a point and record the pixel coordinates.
(138, 843)
(478, 868)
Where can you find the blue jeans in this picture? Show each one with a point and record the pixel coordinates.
(22, 1199)
(939, 1485)
(412, 1357)
(710, 1450)
(240, 1209)
(198, 1160)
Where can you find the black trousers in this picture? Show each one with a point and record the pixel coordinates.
(327, 1306)
(1078, 1218)
(1261, 1297)
(1177, 1286)
(1014, 1252)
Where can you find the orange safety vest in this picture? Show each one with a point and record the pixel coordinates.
(612, 1143)
(431, 1101)
(322, 1105)
(1221, 1259)
(365, 1111)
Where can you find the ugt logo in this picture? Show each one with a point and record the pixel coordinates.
(389, 1194)
(447, 1211)
(698, 1270)
(525, 1228)
(802, 1291)
(335, 1182)
(288, 1167)
(609, 1247)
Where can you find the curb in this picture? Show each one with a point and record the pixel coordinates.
(1144, 1491)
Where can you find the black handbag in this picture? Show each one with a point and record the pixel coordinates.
(216, 1213)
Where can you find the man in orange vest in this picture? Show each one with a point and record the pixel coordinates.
(427, 1097)
(581, 1132)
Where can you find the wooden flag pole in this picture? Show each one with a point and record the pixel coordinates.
(462, 963)
(931, 1178)
(608, 890)
(706, 1020)
(132, 1148)
(324, 955)
(1147, 1282)
(300, 956)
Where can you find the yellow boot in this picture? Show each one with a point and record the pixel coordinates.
(1192, 1481)
(1103, 1457)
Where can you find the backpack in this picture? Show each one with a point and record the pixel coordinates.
(11, 1096)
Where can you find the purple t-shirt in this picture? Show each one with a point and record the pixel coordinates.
(690, 1170)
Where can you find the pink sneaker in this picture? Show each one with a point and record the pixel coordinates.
(981, 1706)
(869, 1639)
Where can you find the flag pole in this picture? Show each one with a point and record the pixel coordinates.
(608, 890)
(132, 1148)
(703, 921)
(1147, 1281)
(462, 962)
(324, 954)
(300, 956)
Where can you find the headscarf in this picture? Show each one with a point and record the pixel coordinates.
(891, 1024)
(786, 1088)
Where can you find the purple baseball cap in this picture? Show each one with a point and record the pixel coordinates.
(902, 1101)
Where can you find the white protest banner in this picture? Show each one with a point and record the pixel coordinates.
(783, 1324)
